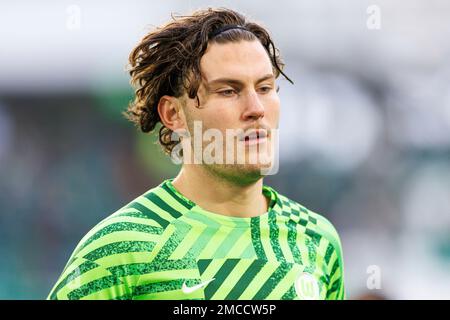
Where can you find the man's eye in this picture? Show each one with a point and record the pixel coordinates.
(265, 89)
(227, 93)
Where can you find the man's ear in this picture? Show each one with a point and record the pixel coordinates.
(171, 113)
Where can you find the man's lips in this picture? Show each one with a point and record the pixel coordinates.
(260, 140)
(258, 134)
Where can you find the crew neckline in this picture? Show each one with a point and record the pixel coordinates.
(232, 221)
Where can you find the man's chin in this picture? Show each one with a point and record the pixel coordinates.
(246, 172)
(256, 169)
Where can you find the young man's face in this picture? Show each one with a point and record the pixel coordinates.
(238, 91)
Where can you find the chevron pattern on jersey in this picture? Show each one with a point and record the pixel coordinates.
(162, 243)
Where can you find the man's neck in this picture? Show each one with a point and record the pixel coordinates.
(216, 195)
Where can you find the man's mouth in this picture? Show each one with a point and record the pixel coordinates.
(254, 136)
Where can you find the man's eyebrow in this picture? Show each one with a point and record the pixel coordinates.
(238, 82)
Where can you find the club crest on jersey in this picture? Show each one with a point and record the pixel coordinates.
(307, 287)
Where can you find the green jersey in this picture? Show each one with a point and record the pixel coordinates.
(164, 246)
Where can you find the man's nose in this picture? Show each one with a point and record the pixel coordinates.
(254, 109)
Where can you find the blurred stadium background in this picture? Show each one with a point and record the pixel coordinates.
(365, 131)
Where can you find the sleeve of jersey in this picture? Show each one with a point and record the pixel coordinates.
(87, 280)
(335, 266)
(108, 261)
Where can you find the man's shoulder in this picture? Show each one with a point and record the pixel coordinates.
(140, 222)
(315, 225)
(160, 204)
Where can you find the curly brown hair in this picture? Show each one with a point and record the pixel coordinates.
(167, 61)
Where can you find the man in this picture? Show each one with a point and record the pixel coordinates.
(215, 231)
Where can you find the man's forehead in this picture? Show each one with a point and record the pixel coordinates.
(235, 60)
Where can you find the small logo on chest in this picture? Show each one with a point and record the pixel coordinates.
(307, 287)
